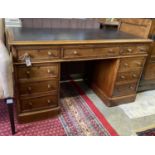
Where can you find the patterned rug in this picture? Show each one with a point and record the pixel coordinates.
(149, 132)
(78, 117)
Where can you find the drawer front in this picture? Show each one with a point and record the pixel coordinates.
(134, 50)
(91, 52)
(38, 71)
(128, 76)
(152, 58)
(149, 72)
(153, 49)
(39, 103)
(33, 88)
(43, 54)
(131, 63)
(124, 89)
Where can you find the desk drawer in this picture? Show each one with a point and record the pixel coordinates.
(128, 76)
(38, 87)
(149, 73)
(124, 89)
(131, 63)
(90, 52)
(42, 54)
(38, 71)
(39, 103)
(133, 50)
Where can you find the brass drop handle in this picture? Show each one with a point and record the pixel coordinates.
(75, 52)
(134, 75)
(122, 77)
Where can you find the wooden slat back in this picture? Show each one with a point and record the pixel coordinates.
(60, 23)
(136, 26)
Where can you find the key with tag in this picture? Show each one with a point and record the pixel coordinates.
(28, 61)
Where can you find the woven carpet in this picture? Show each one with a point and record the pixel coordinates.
(78, 117)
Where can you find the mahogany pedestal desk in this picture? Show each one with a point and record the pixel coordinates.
(119, 60)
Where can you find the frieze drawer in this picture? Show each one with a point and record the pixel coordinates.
(91, 52)
(38, 71)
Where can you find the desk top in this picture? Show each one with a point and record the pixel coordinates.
(33, 36)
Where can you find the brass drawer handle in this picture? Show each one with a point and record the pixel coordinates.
(49, 53)
(49, 86)
(28, 72)
(49, 101)
(110, 51)
(132, 87)
(26, 55)
(122, 77)
(129, 50)
(139, 63)
(75, 52)
(49, 71)
(142, 49)
(134, 75)
(29, 89)
(126, 64)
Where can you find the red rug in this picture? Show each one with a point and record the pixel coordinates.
(78, 117)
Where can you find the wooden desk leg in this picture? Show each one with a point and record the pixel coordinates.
(9, 102)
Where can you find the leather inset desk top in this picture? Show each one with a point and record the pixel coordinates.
(34, 35)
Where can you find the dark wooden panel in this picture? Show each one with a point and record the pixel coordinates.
(104, 75)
